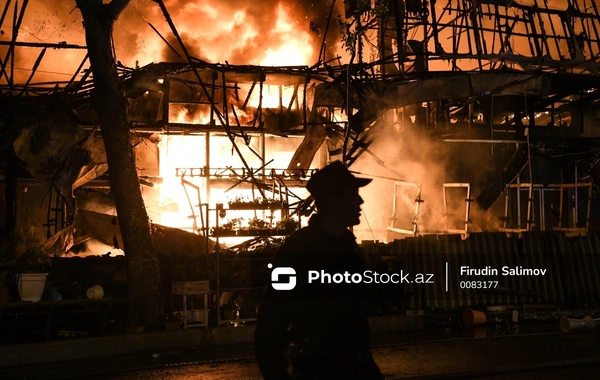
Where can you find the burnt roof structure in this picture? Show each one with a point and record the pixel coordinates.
(479, 71)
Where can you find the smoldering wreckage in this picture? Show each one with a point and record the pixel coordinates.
(481, 140)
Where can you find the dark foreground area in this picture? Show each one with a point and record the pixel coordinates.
(530, 356)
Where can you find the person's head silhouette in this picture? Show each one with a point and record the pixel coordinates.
(335, 191)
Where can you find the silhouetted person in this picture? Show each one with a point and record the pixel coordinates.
(319, 330)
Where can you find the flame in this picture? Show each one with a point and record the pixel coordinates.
(172, 208)
(296, 46)
(270, 33)
(183, 115)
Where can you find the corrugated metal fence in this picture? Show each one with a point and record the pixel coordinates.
(572, 267)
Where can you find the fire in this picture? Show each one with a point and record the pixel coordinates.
(267, 33)
(173, 208)
(270, 33)
(290, 44)
(296, 46)
(183, 115)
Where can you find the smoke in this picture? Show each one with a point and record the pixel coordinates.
(93, 247)
(412, 156)
(407, 156)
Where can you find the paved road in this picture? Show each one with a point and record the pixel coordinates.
(541, 356)
(390, 362)
(545, 356)
(248, 371)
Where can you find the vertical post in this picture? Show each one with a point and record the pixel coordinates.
(16, 25)
(398, 9)
(304, 106)
(416, 218)
(382, 26)
(165, 105)
(542, 30)
(530, 207)
(470, 116)
(49, 214)
(225, 108)
(263, 154)
(280, 107)
(349, 113)
(207, 234)
(445, 206)
(212, 99)
(57, 214)
(10, 216)
(474, 16)
(506, 208)
(393, 218)
(207, 174)
(260, 100)
(468, 208)
(518, 198)
(589, 208)
(576, 206)
(542, 221)
(560, 211)
(218, 267)
(492, 121)
(597, 14)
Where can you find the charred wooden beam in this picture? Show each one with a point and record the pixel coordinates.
(165, 41)
(60, 45)
(10, 54)
(192, 83)
(6, 6)
(248, 96)
(323, 50)
(232, 139)
(511, 169)
(534, 8)
(33, 70)
(398, 9)
(70, 83)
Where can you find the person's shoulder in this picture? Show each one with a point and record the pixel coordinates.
(294, 242)
(299, 235)
(296, 246)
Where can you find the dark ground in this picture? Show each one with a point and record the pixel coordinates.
(526, 356)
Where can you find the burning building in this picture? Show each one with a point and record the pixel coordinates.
(470, 116)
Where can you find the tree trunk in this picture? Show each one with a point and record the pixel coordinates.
(143, 273)
(10, 208)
